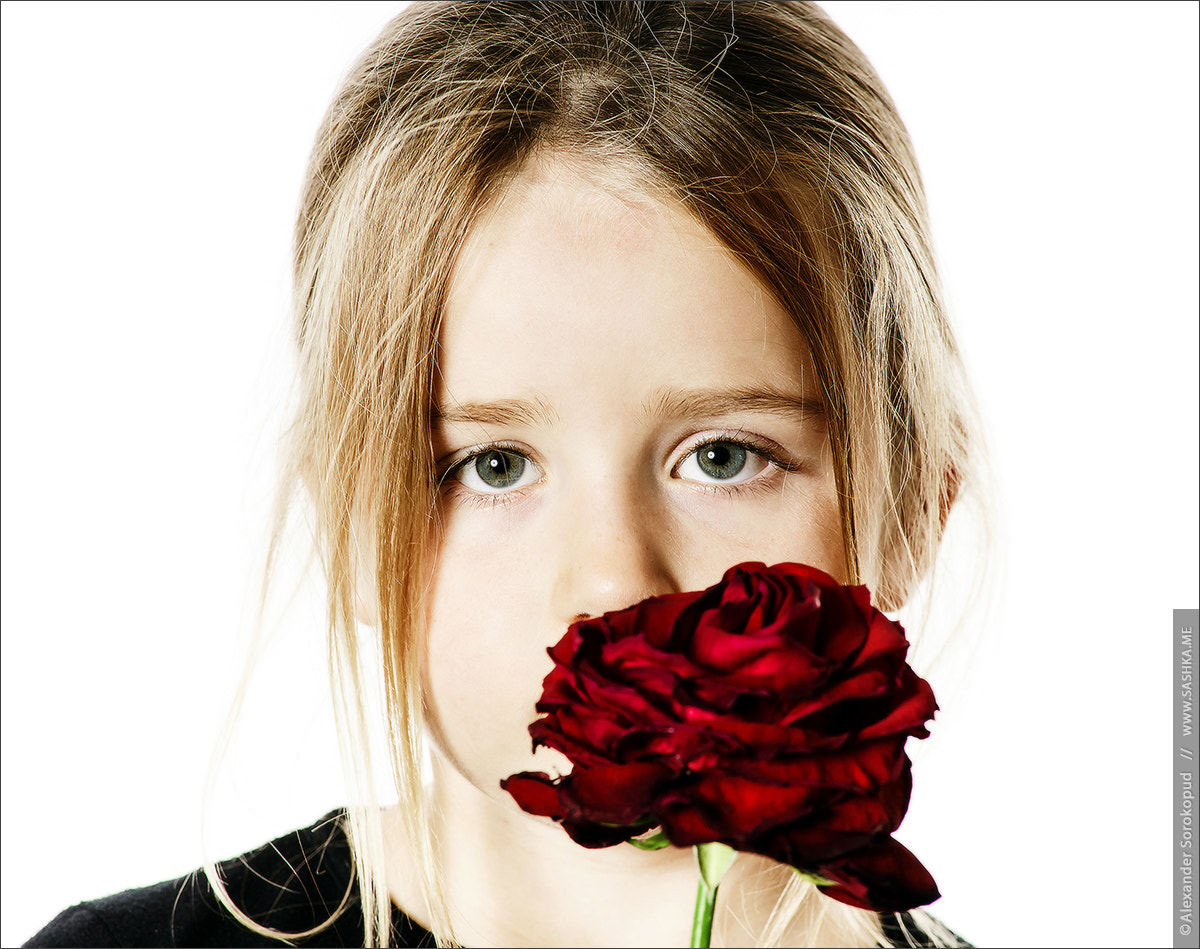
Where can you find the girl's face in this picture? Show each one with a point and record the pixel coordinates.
(622, 411)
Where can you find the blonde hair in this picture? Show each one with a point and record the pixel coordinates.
(771, 127)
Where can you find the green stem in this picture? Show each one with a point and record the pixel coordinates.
(713, 859)
(706, 899)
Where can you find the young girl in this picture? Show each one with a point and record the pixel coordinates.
(593, 301)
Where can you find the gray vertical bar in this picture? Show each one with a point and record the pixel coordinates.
(1186, 845)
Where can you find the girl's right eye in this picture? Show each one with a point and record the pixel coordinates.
(494, 471)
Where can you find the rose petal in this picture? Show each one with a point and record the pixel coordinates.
(884, 638)
(862, 684)
(842, 825)
(862, 769)
(680, 747)
(612, 794)
(733, 808)
(914, 705)
(535, 792)
(652, 619)
(764, 737)
(884, 877)
(589, 834)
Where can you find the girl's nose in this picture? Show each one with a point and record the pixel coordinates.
(613, 550)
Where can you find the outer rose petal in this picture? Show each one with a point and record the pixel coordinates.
(885, 642)
(653, 619)
(843, 824)
(588, 833)
(765, 739)
(734, 810)
(860, 684)
(536, 793)
(884, 877)
(858, 768)
(564, 733)
(587, 732)
(914, 706)
(612, 794)
(686, 824)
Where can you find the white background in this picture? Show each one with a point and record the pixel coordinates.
(152, 158)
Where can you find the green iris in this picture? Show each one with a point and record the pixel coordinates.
(721, 460)
(498, 468)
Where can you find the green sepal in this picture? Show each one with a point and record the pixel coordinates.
(714, 859)
(814, 878)
(653, 841)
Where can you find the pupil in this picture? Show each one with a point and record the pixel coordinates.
(721, 459)
(499, 469)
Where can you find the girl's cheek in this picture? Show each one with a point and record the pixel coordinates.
(787, 512)
(802, 527)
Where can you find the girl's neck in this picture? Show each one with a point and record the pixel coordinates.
(512, 880)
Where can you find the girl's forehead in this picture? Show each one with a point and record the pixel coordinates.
(580, 287)
(577, 206)
(623, 233)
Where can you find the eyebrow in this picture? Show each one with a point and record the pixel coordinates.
(727, 401)
(500, 412)
(666, 403)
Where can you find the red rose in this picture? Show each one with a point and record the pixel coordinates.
(768, 712)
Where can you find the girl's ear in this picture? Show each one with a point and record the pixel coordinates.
(948, 493)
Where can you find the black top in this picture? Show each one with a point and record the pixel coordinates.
(290, 884)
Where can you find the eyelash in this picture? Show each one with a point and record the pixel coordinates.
(771, 452)
(448, 475)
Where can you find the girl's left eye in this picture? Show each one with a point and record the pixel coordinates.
(721, 462)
